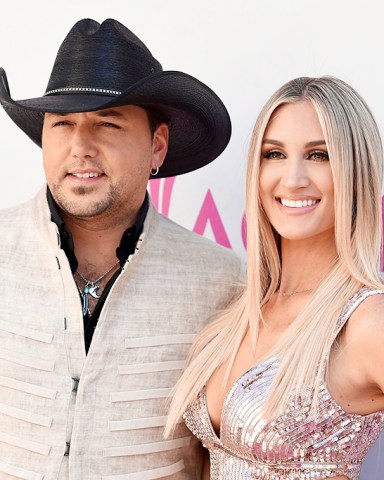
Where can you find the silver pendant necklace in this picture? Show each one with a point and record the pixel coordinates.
(91, 287)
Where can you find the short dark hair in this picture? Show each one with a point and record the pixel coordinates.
(154, 119)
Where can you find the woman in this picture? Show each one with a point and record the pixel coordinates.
(288, 382)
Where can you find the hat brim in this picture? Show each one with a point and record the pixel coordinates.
(199, 124)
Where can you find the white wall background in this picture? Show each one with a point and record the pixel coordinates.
(243, 49)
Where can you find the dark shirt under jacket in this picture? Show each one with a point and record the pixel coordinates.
(127, 247)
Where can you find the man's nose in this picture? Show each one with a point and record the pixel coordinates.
(83, 143)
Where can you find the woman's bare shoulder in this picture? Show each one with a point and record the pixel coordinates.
(365, 334)
(369, 315)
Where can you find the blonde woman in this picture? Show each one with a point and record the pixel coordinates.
(288, 383)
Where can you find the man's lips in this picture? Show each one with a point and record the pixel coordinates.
(86, 174)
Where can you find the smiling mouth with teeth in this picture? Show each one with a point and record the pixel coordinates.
(87, 175)
(297, 203)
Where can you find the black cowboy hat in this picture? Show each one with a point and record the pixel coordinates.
(103, 65)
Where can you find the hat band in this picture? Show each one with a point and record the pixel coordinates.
(82, 89)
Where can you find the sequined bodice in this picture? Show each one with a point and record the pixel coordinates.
(298, 444)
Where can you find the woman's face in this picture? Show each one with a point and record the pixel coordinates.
(296, 182)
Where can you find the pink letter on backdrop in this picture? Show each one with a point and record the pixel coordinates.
(210, 213)
(154, 188)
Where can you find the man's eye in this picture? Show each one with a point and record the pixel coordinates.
(60, 124)
(273, 154)
(109, 124)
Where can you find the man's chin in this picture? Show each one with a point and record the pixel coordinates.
(82, 202)
(83, 209)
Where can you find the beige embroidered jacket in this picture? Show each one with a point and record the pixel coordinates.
(65, 415)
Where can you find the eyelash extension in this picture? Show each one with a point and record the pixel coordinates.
(269, 153)
(320, 153)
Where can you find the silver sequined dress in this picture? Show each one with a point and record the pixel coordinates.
(297, 445)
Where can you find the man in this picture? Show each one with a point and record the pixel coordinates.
(101, 296)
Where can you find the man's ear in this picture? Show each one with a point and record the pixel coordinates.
(159, 145)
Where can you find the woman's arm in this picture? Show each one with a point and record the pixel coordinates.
(358, 382)
(374, 350)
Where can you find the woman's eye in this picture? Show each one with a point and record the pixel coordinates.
(273, 154)
(319, 156)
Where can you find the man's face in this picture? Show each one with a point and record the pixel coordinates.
(97, 164)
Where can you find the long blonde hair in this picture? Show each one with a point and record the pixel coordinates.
(356, 159)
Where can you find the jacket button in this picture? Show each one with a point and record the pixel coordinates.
(75, 384)
(67, 448)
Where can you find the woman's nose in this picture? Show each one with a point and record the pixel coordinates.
(295, 174)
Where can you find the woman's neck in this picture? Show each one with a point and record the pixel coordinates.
(305, 263)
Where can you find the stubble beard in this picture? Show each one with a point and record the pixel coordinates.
(84, 208)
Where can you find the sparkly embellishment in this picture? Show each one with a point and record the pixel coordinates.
(82, 89)
(296, 445)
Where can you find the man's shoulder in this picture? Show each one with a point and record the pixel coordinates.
(23, 217)
(185, 242)
(15, 212)
(180, 233)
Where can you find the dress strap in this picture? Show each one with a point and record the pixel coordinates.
(353, 303)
